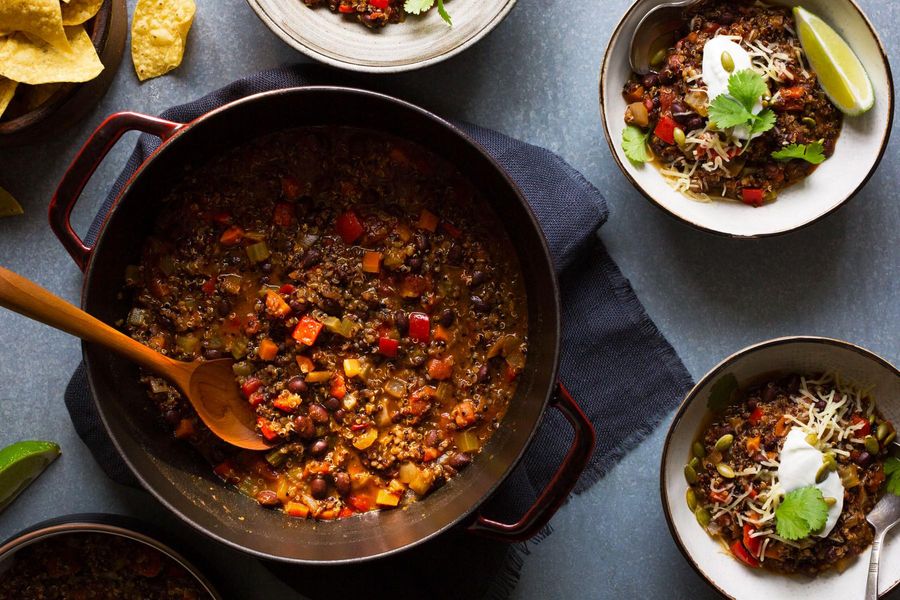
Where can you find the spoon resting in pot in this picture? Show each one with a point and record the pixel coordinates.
(208, 385)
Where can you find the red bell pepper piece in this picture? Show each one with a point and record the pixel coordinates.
(250, 386)
(265, 427)
(866, 428)
(286, 289)
(209, 287)
(719, 497)
(360, 503)
(256, 398)
(232, 236)
(419, 326)
(388, 347)
(756, 416)
(665, 129)
(752, 196)
(346, 9)
(349, 227)
(741, 553)
(283, 215)
(290, 188)
(753, 544)
(451, 230)
(338, 386)
(307, 330)
(382, 4)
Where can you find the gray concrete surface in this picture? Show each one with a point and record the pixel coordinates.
(535, 77)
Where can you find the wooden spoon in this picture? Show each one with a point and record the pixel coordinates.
(208, 385)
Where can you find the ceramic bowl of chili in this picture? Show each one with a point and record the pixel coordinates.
(857, 152)
(181, 479)
(97, 554)
(757, 365)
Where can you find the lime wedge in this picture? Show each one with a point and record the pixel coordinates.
(840, 72)
(20, 464)
(8, 205)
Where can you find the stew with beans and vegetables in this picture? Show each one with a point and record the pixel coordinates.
(93, 565)
(372, 303)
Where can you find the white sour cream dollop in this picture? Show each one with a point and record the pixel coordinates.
(800, 462)
(716, 77)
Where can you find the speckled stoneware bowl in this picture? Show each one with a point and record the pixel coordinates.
(730, 577)
(345, 43)
(859, 148)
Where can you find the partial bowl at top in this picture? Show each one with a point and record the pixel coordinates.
(341, 41)
(795, 355)
(859, 148)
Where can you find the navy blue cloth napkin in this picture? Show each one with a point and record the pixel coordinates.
(614, 361)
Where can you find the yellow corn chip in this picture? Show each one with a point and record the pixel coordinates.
(25, 61)
(8, 205)
(42, 18)
(159, 32)
(77, 12)
(7, 91)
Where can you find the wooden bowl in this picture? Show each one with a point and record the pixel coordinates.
(72, 100)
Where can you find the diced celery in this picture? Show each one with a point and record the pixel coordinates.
(258, 252)
(137, 317)
(242, 369)
(187, 344)
(467, 441)
(395, 387)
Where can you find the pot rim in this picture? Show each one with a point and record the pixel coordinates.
(451, 129)
(107, 525)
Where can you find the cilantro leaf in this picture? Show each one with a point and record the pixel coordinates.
(802, 512)
(727, 112)
(892, 469)
(747, 87)
(763, 122)
(811, 153)
(417, 7)
(634, 143)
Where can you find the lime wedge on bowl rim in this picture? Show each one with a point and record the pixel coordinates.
(840, 72)
(20, 464)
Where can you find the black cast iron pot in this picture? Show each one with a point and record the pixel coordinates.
(172, 471)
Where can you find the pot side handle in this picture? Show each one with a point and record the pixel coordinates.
(82, 168)
(560, 486)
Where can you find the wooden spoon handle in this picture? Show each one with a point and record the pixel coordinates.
(29, 299)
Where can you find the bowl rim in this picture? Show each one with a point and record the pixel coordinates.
(105, 525)
(614, 38)
(412, 65)
(691, 396)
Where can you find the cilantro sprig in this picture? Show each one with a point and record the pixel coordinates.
(634, 143)
(417, 7)
(801, 513)
(892, 470)
(813, 153)
(735, 109)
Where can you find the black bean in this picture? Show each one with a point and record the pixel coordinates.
(401, 320)
(342, 483)
(414, 264)
(667, 76)
(422, 241)
(318, 413)
(752, 403)
(297, 306)
(212, 353)
(432, 438)
(678, 107)
(296, 385)
(479, 305)
(478, 278)
(447, 317)
(695, 122)
(319, 447)
(459, 460)
(820, 405)
(331, 306)
(318, 488)
(304, 427)
(312, 257)
(863, 459)
(483, 374)
(650, 80)
(266, 267)
(223, 307)
(173, 416)
(332, 404)
(267, 498)
(339, 414)
(770, 393)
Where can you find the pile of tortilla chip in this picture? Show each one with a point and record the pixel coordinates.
(43, 44)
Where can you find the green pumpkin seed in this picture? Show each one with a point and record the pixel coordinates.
(872, 416)
(679, 136)
(691, 498)
(823, 473)
(829, 461)
(890, 438)
(830, 501)
(812, 439)
(658, 58)
(690, 474)
(883, 431)
(725, 471)
(703, 517)
(727, 62)
(872, 445)
(724, 442)
(699, 450)
(809, 121)
(695, 463)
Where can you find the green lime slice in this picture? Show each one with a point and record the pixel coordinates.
(22, 463)
(839, 70)
(8, 205)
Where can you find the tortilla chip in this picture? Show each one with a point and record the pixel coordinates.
(77, 12)
(33, 63)
(7, 91)
(42, 18)
(159, 32)
(8, 205)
